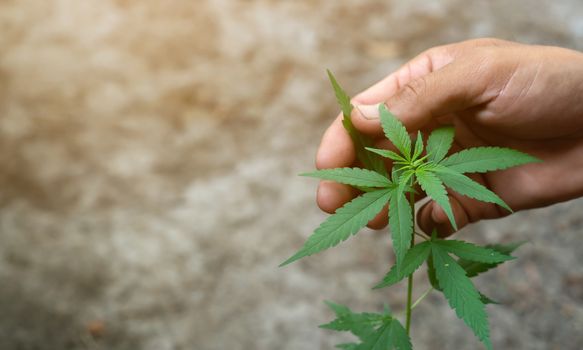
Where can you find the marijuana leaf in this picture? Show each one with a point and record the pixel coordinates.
(395, 131)
(439, 142)
(347, 221)
(376, 331)
(461, 293)
(434, 188)
(414, 258)
(468, 187)
(352, 176)
(418, 146)
(401, 223)
(474, 268)
(387, 154)
(472, 252)
(485, 300)
(369, 160)
(361, 325)
(391, 335)
(484, 159)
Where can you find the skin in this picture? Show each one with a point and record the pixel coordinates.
(495, 93)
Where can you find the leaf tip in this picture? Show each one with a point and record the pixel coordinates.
(293, 258)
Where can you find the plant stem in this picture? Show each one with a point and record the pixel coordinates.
(426, 293)
(410, 280)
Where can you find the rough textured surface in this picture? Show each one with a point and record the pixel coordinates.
(134, 141)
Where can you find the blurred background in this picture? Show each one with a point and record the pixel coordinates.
(148, 188)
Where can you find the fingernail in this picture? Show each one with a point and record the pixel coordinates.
(368, 112)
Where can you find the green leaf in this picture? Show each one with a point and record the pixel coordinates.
(484, 159)
(472, 252)
(347, 346)
(431, 275)
(474, 268)
(347, 221)
(361, 325)
(401, 223)
(352, 176)
(338, 309)
(439, 143)
(369, 160)
(400, 337)
(395, 131)
(418, 146)
(485, 300)
(387, 154)
(391, 335)
(414, 258)
(461, 294)
(341, 96)
(434, 188)
(468, 187)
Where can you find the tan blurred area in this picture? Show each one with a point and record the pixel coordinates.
(148, 189)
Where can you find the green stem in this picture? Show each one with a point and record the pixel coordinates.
(410, 280)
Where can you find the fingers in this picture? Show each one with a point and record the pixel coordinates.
(381, 220)
(365, 115)
(336, 149)
(465, 211)
(432, 217)
(332, 195)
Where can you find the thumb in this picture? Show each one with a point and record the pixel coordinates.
(455, 87)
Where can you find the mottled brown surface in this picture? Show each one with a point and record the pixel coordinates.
(135, 209)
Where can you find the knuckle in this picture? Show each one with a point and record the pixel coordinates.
(415, 89)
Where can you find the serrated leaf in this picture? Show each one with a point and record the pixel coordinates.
(338, 309)
(439, 143)
(347, 221)
(418, 146)
(352, 176)
(387, 154)
(347, 346)
(391, 335)
(413, 259)
(474, 268)
(485, 300)
(461, 293)
(434, 188)
(484, 159)
(431, 273)
(395, 131)
(401, 223)
(361, 325)
(360, 141)
(467, 187)
(401, 338)
(469, 251)
(341, 96)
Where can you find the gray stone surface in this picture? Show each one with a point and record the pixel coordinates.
(135, 209)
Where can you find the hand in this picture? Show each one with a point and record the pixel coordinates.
(495, 93)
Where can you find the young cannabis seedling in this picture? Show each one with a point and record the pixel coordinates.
(414, 164)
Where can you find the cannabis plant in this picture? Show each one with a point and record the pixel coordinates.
(450, 263)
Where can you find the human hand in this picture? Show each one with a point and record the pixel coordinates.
(495, 93)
